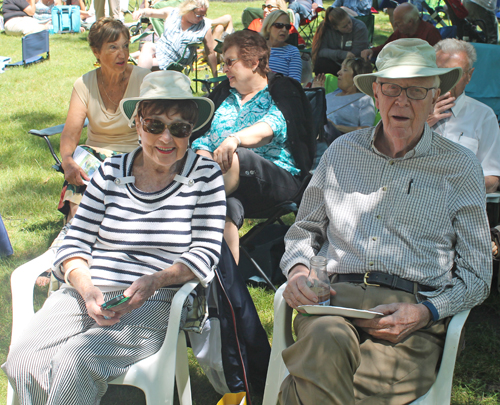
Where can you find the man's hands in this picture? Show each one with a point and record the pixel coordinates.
(297, 291)
(367, 54)
(399, 321)
(444, 103)
(223, 155)
(73, 173)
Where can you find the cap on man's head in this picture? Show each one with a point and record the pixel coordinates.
(407, 58)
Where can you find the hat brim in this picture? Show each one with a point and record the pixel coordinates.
(205, 108)
(449, 76)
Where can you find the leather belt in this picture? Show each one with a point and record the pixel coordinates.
(378, 279)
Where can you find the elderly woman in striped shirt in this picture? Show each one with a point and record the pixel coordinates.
(284, 58)
(149, 221)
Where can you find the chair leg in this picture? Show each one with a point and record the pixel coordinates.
(182, 371)
(258, 268)
(12, 398)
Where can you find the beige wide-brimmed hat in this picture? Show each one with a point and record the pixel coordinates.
(167, 85)
(405, 59)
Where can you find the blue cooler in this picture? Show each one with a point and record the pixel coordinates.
(65, 19)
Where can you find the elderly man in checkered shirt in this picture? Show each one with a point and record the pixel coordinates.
(399, 213)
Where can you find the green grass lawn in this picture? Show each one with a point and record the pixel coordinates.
(38, 97)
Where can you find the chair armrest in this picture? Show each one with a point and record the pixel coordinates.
(174, 320)
(45, 133)
(282, 338)
(22, 282)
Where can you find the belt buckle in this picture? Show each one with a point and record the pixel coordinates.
(365, 280)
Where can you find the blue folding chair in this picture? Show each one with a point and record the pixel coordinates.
(34, 47)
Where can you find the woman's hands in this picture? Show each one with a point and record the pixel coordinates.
(319, 80)
(223, 155)
(139, 292)
(93, 300)
(73, 173)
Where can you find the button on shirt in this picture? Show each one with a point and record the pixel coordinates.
(475, 126)
(421, 217)
(232, 117)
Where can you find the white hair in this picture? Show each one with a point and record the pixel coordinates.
(452, 46)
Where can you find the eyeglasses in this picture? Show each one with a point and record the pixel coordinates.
(413, 92)
(268, 6)
(281, 25)
(199, 15)
(229, 63)
(157, 127)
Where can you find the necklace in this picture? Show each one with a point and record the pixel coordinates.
(106, 93)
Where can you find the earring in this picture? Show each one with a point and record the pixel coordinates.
(97, 63)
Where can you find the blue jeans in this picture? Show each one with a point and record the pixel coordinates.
(300, 11)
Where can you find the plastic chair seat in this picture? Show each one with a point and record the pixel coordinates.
(439, 393)
(154, 375)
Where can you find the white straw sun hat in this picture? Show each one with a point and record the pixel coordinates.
(405, 59)
(167, 85)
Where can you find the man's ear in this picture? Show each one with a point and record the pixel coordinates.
(435, 98)
(470, 75)
(374, 87)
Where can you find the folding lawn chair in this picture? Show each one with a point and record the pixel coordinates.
(250, 241)
(309, 25)
(34, 46)
(189, 53)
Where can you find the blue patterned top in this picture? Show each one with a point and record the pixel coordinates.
(174, 40)
(232, 117)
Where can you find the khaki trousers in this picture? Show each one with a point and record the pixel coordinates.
(333, 362)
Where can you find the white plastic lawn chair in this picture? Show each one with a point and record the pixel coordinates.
(153, 375)
(439, 393)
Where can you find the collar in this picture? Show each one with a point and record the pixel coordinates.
(459, 104)
(422, 148)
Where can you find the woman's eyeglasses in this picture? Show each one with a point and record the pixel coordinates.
(281, 25)
(157, 127)
(269, 7)
(197, 15)
(229, 62)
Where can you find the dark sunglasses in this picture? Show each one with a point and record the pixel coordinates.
(268, 6)
(157, 127)
(281, 25)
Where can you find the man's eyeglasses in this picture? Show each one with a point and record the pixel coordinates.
(157, 127)
(269, 7)
(413, 92)
(229, 62)
(281, 25)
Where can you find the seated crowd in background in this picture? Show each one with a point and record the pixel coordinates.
(183, 25)
(347, 108)
(18, 18)
(407, 24)
(339, 36)
(268, 7)
(256, 132)
(284, 58)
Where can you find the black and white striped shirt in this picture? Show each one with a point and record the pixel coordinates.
(421, 217)
(125, 233)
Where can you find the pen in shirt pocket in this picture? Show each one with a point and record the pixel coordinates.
(409, 186)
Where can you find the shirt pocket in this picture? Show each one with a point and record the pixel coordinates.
(470, 143)
(421, 208)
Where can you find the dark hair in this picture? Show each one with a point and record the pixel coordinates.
(251, 47)
(106, 30)
(333, 16)
(188, 109)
